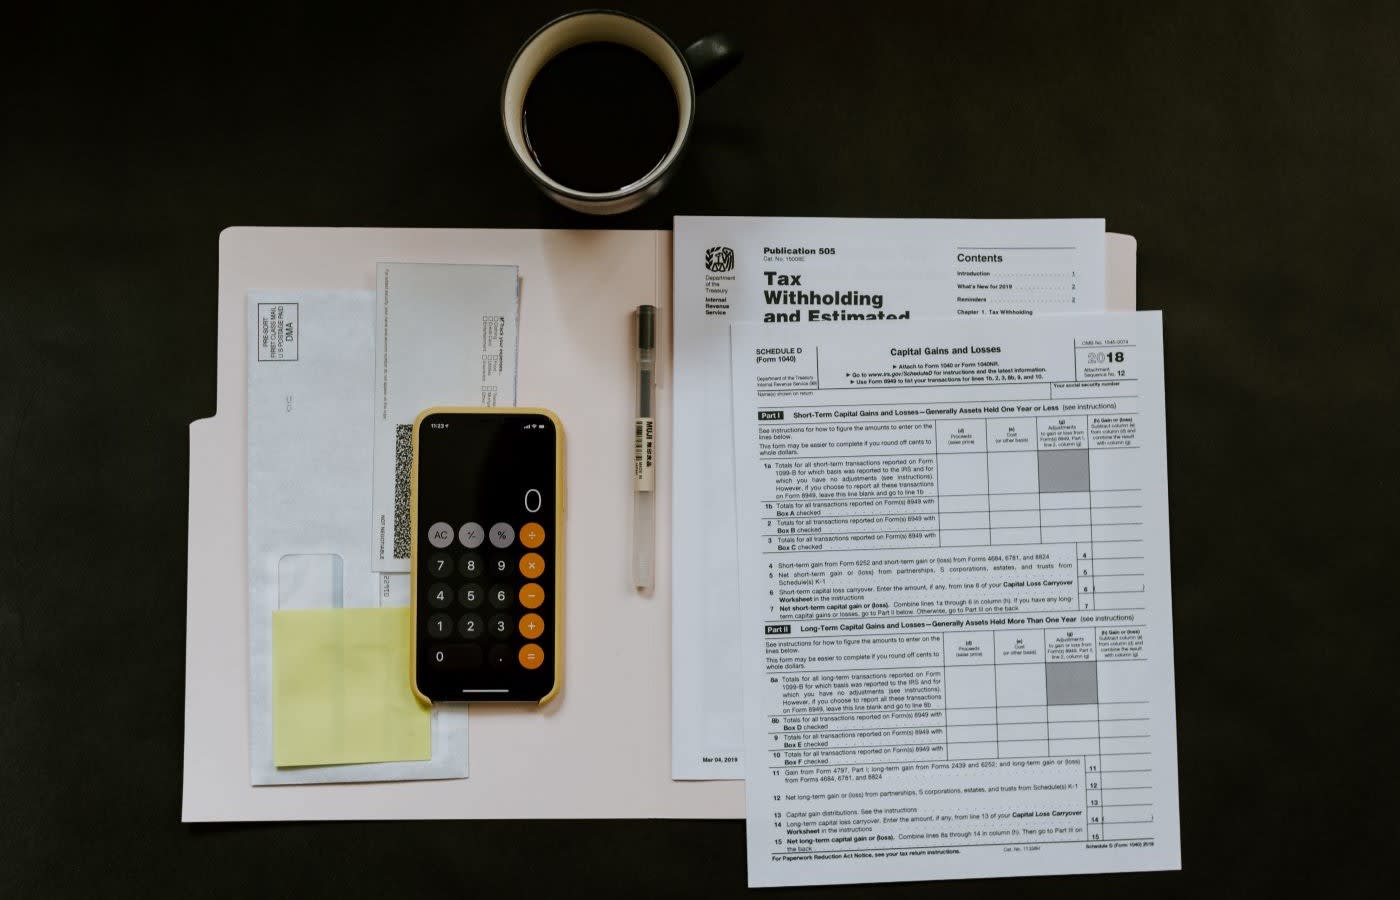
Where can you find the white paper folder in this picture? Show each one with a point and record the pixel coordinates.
(602, 748)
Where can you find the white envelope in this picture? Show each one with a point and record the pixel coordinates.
(446, 335)
(310, 463)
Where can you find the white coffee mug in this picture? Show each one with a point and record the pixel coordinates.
(696, 68)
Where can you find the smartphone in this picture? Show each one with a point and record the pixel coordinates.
(487, 511)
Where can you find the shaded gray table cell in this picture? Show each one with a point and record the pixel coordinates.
(1071, 682)
(1063, 470)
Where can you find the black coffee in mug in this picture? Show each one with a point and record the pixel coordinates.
(600, 116)
(598, 106)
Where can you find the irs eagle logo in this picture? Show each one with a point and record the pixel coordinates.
(719, 259)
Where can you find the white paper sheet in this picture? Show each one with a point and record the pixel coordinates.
(956, 599)
(743, 269)
(445, 335)
(310, 367)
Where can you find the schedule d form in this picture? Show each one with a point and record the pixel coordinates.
(848, 275)
(955, 599)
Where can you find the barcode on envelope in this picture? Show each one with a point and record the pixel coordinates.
(403, 468)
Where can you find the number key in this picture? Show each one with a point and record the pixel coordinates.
(456, 656)
(499, 596)
(439, 596)
(471, 595)
(470, 626)
(500, 626)
(469, 564)
(439, 564)
(439, 625)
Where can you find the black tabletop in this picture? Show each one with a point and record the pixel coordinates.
(1251, 149)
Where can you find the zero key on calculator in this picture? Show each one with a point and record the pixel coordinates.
(485, 509)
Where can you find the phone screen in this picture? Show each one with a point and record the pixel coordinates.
(485, 556)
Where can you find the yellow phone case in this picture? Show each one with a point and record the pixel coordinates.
(559, 542)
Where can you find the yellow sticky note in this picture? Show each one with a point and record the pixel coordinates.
(340, 691)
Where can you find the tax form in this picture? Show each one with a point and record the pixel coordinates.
(853, 277)
(955, 599)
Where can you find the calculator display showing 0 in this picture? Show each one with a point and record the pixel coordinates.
(486, 551)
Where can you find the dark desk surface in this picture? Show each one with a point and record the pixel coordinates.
(1251, 150)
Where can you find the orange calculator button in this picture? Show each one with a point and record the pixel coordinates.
(531, 656)
(531, 595)
(532, 534)
(532, 565)
(531, 626)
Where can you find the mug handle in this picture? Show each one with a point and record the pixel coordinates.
(713, 57)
